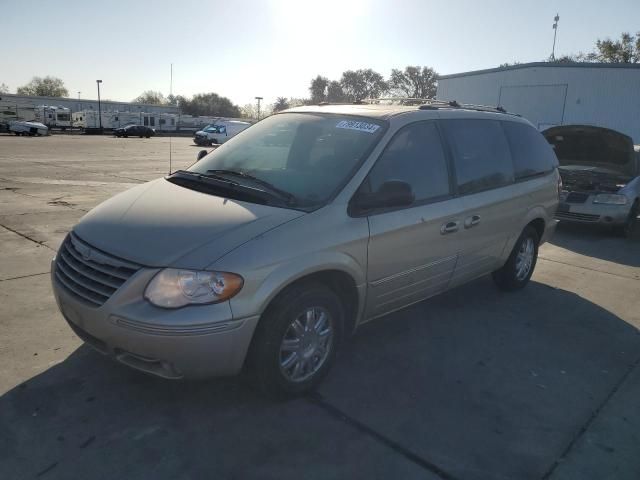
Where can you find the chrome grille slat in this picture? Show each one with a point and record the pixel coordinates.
(86, 272)
(93, 286)
(120, 275)
(585, 217)
(89, 274)
(69, 286)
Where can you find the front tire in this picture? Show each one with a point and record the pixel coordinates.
(296, 340)
(517, 271)
(626, 230)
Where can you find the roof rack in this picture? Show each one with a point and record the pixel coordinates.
(435, 104)
(426, 104)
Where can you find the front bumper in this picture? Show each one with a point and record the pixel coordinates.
(192, 342)
(594, 213)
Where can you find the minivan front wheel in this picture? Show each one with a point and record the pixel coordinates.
(517, 271)
(296, 340)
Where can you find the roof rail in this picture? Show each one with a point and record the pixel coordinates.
(400, 100)
(465, 106)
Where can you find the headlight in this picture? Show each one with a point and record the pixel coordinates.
(610, 199)
(174, 288)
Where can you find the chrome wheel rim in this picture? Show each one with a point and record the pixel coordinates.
(306, 344)
(524, 259)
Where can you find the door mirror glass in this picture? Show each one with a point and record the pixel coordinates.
(201, 155)
(392, 193)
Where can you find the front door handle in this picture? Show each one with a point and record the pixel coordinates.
(471, 221)
(449, 227)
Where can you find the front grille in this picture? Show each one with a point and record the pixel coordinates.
(577, 197)
(583, 217)
(89, 274)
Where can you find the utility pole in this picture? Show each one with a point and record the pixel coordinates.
(555, 33)
(98, 82)
(258, 99)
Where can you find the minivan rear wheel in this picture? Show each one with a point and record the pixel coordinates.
(517, 271)
(296, 340)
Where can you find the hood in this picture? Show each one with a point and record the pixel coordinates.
(160, 224)
(609, 151)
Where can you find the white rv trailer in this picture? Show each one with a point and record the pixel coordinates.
(52, 116)
(11, 112)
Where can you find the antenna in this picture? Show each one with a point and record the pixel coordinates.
(555, 33)
(170, 132)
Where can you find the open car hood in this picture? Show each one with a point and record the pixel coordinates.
(604, 150)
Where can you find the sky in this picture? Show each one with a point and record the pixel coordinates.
(271, 48)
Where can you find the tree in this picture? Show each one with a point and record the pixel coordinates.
(414, 82)
(281, 104)
(208, 104)
(318, 89)
(250, 110)
(360, 84)
(625, 50)
(335, 93)
(44, 87)
(151, 97)
(4, 88)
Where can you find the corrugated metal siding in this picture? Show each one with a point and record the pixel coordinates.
(607, 97)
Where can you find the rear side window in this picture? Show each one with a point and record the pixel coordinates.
(481, 154)
(532, 155)
(415, 156)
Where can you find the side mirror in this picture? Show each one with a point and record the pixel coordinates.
(201, 155)
(392, 193)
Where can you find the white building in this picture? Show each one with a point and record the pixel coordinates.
(602, 94)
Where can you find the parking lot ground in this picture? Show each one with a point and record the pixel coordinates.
(473, 384)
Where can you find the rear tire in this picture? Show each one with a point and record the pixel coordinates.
(296, 340)
(517, 271)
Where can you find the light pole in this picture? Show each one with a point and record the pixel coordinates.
(555, 32)
(258, 99)
(98, 82)
(79, 92)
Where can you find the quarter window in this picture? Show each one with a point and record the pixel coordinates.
(531, 153)
(481, 154)
(415, 156)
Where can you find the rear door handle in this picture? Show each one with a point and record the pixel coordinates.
(449, 227)
(471, 221)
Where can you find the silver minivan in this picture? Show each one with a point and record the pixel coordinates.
(270, 250)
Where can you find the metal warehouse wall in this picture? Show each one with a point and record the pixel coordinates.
(599, 94)
(76, 105)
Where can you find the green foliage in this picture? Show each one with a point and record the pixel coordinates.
(335, 93)
(281, 104)
(44, 87)
(624, 50)
(151, 97)
(414, 82)
(208, 104)
(318, 89)
(360, 84)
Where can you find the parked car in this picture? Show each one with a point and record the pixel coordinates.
(265, 255)
(134, 131)
(20, 127)
(219, 133)
(600, 172)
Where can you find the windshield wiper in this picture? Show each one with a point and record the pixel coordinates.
(289, 198)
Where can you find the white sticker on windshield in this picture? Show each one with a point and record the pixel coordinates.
(360, 126)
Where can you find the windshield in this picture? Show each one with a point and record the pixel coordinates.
(211, 129)
(309, 156)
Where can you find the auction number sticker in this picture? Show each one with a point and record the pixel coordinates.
(360, 126)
